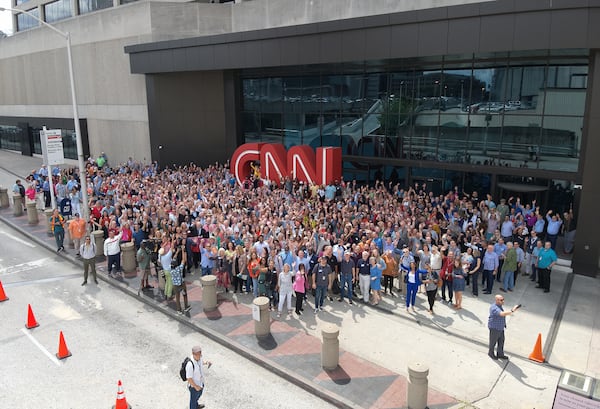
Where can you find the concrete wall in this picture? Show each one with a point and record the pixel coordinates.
(35, 81)
(260, 14)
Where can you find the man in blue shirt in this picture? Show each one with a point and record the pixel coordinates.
(554, 223)
(496, 325)
(546, 260)
(500, 249)
(490, 268)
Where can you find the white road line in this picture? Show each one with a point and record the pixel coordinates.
(14, 238)
(37, 344)
(30, 265)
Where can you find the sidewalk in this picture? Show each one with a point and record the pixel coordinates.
(377, 344)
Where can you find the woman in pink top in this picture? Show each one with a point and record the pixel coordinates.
(299, 287)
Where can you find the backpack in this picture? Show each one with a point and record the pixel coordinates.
(22, 190)
(182, 371)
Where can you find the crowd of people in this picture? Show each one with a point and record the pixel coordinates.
(291, 239)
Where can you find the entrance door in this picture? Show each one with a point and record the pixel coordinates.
(435, 185)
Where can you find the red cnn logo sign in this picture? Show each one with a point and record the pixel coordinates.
(299, 162)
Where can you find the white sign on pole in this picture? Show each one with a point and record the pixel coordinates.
(54, 147)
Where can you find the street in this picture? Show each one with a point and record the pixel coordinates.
(112, 337)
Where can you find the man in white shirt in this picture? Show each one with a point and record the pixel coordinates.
(194, 372)
(112, 250)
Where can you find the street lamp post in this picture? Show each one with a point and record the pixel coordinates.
(82, 172)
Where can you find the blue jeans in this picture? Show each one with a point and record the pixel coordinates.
(194, 396)
(320, 296)
(255, 286)
(346, 286)
(509, 280)
(59, 236)
(206, 271)
(411, 294)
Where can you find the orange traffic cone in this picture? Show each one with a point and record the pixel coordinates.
(63, 351)
(3, 296)
(536, 355)
(31, 322)
(121, 401)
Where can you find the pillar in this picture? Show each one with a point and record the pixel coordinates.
(17, 205)
(209, 292)
(417, 386)
(330, 350)
(98, 237)
(48, 215)
(262, 326)
(32, 215)
(128, 257)
(3, 198)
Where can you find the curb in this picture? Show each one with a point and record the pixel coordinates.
(247, 353)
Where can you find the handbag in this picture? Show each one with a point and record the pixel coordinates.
(244, 277)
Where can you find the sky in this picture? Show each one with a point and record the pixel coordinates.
(5, 19)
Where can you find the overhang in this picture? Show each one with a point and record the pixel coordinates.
(480, 28)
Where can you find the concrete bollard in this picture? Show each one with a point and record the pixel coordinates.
(98, 237)
(128, 257)
(262, 326)
(417, 386)
(17, 205)
(48, 215)
(330, 350)
(32, 215)
(3, 197)
(209, 292)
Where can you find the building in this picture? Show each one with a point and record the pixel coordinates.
(494, 96)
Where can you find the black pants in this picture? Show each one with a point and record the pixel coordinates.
(431, 298)
(237, 283)
(474, 278)
(488, 276)
(195, 260)
(388, 282)
(544, 278)
(116, 260)
(499, 272)
(299, 299)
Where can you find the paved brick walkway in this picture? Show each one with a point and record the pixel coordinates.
(355, 383)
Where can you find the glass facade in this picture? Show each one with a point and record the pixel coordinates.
(11, 136)
(502, 110)
(25, 22)
(58, 10)
(86, 6)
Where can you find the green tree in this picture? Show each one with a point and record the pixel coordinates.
(396, 113)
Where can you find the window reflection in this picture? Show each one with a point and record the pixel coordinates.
(26, 22)
(505, 113)
(57, 10)
(86, 6)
